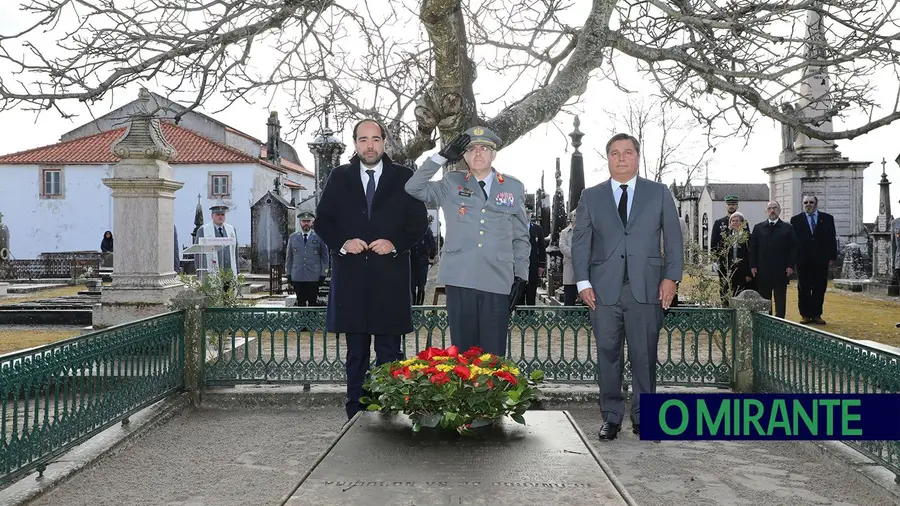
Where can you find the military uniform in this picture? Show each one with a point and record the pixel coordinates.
(486, 246)
(226, 258)
(719, 231)
(305, 263)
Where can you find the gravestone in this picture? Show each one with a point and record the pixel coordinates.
(4, 241)
(377, 459)
(272, 221)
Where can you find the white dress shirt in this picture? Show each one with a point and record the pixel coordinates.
(487, 183)
(616, 188)
(365, 177)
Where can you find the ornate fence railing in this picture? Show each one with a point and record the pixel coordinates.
(273, 345)
(794, 358)
(58, 395)
(53, 265)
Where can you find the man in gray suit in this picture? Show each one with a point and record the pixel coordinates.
(305, 262)
(627, 243)
(484, 262)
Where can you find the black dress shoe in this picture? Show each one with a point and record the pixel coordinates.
(609, 431)
(636, 428)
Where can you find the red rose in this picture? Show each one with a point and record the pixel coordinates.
(461, 359)
(440, 378)
(473, 352)
(476, 361)
(429, 353)
(428, 371)
(506, 376)
(452, 351)
(490, 384)
(462, 371)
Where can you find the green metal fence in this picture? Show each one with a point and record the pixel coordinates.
(794, 358)
(58, 395)
(273, 345)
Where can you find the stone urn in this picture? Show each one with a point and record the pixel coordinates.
(93, 285)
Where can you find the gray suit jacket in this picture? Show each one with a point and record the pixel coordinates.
(305, 262)
(651, 241)
(487, 240)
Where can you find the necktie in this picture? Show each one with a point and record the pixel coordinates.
(481, 184)
(812, 223)
(221, 232)
(370, 189)
(623, 204)
(304, 238)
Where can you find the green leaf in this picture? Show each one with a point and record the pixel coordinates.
(513, 395)
(537, 375)
(417, 427)
(373, 407)
(519, 418)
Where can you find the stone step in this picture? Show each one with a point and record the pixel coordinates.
(33, 287)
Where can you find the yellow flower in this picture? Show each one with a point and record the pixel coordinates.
(408, 361)
(480, 371)
(417, 367)
(485, 357)
(444, 367)
(440, 359)
(512, 370)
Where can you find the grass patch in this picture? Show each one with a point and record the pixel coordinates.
(15, 340)
(63, 291)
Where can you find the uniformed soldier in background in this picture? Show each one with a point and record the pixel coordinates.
(226, 258)
(307, 259)
(484, 261)
(718, 233)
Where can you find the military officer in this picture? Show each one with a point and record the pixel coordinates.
(226, 257)
(484, 262)
(307, 258)
(719, 231)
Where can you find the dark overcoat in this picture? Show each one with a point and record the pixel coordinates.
(369, 293)
(772, 250)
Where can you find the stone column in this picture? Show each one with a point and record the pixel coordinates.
(193, 306)
(327, 149)
(882, 236)
(143, 194)
(745, 304)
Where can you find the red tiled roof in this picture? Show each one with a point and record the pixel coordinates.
(293, 185)
(97, 149)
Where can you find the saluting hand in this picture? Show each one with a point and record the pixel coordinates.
(382, 246)
(355, 246)
(454, 151)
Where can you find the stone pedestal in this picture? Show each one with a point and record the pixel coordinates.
(4, 289)
(746, 303)
(143, 191)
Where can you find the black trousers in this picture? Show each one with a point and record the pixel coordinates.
(307, 292)
(387, 349)
(570, 295)
(478, 318)
(418, 279)
(767, 289)
(812, 280)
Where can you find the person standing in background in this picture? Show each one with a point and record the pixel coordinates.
(305, 262)
(537, 259)
(817, 252)
(773, 255)
(570, 293)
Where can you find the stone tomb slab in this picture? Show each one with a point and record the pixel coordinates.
(378, 460)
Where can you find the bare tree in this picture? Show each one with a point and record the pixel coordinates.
(670, 142)
(413, 63)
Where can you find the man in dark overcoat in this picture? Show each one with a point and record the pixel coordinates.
(818, 251)
(369, 224)
(773, 255)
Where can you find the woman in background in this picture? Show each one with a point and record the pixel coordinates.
(106, 245)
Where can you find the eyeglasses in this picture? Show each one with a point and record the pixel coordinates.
(809, 202)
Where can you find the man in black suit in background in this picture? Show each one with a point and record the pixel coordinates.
(537, 260)
(773, 255)
(818, 251)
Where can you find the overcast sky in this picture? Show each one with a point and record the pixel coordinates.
(733, 162)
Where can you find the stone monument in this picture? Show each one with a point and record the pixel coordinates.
(543, 205)
(576, 168)
(882, 238)
(272, 221)
(143, 194)
(810, 165)
(558, 222)
(327, 149)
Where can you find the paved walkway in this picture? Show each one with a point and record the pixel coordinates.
(254, 455)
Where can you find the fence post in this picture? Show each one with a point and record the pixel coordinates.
(745, 304)
(193, 306)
